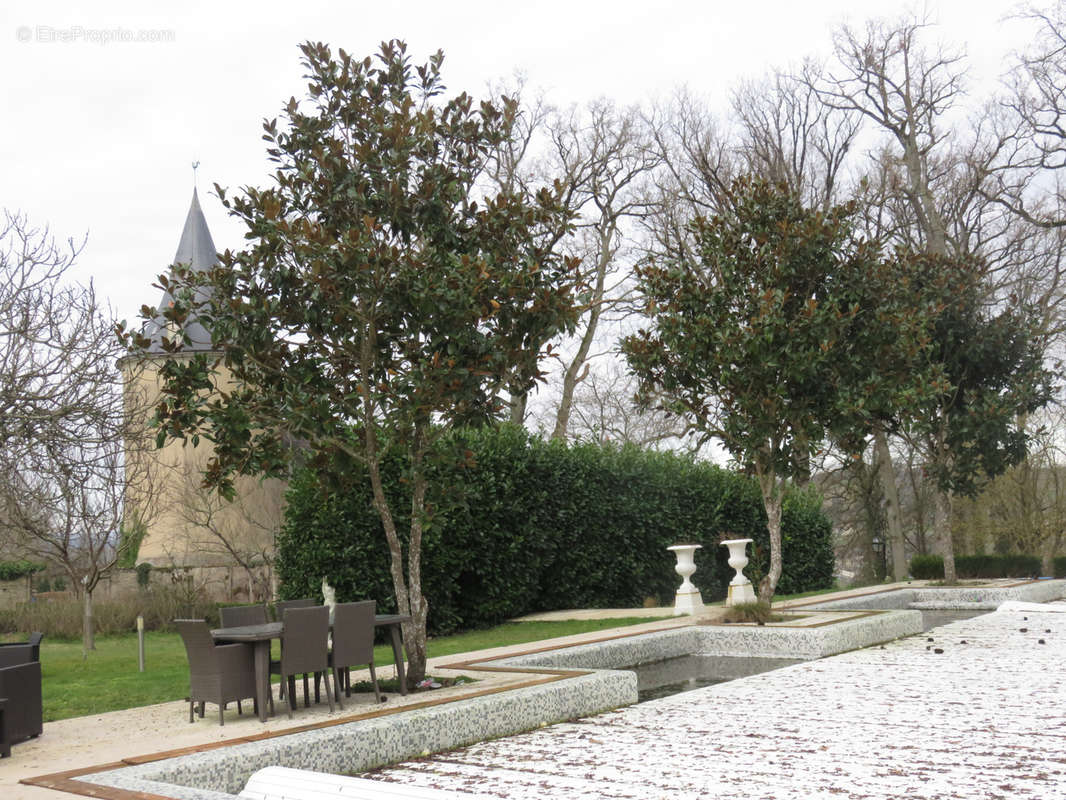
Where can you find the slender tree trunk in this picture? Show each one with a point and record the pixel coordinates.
(88, 639)
(574, 373)
(1047, 560)
(893, 519)
(414, 636)
(417, 655)
(943, 534)
(772, 500)
(518, 409)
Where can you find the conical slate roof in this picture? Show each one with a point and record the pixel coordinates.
(197, 251)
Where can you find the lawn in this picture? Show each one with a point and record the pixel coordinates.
(108, 680)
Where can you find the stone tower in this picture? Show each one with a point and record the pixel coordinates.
(185, 525)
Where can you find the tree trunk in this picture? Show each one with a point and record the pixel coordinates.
(88, 640)
(772, 501)
(943, 534)
(416, 650)
(574, 373)
(893, 519)
(414, 632)
(1047, 561)
(518, 409)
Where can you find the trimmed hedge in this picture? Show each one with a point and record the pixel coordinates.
(13, 570)
(528, 525)
(983, 566)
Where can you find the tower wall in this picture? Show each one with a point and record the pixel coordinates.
(186, 524)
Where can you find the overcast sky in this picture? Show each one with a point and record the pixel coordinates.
(107, 104)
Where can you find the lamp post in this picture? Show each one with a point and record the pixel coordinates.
(877, 544)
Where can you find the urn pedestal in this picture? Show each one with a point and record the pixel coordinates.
(740, 588)
(688, 599)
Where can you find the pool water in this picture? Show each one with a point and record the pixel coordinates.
(675, 675)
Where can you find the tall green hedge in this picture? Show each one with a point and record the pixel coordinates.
(528, 525)
(1009, 565)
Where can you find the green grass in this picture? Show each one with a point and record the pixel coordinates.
(108, 680)
(830, 590)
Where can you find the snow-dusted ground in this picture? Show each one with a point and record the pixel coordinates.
(978, 712)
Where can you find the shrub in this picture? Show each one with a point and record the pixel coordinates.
(13, 570)
(1008, 565)
(524, 525)
(927, 568)
(62, 618)
(144, 574)
(1059, 566)
(758, 612)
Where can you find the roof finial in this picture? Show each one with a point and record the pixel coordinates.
(195, 166)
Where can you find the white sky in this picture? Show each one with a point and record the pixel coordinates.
(98, 138)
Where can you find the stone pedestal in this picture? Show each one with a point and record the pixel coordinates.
(740, 588)
(688, 599)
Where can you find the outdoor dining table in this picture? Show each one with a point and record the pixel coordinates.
(260, 637)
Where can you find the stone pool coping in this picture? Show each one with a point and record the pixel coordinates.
(944, 598)
(554, 684)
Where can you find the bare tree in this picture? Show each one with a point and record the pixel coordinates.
(1028, 179)
(65, 432)
(242, 531)
(604, 154)
(885, 73)
(605, 411)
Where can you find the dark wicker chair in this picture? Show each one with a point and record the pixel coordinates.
(20, 686)
(353, 645)
(281, 605)
(279, 614)
(304, 649)
(239, 616)
(218, 673)
(34, 641)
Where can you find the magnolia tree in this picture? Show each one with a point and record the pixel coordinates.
(779, 331)
(380, 290)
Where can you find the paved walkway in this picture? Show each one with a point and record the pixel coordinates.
(975, 709)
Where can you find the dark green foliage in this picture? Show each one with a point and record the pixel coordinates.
(758, 611)
(1059, 567)
(533, 526)
(144, 574)
(130, 545)
(1010, 565)
(13, 570)
(927, 568)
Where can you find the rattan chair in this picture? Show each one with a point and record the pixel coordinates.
(218, 673)
(304, 649)
(239, 616)
(353, 645)
(34, 642)
(282, 605)
(20, 685)
(279, 614)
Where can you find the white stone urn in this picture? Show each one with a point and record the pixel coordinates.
(740, 588)
(329, 598)
(688, 599)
